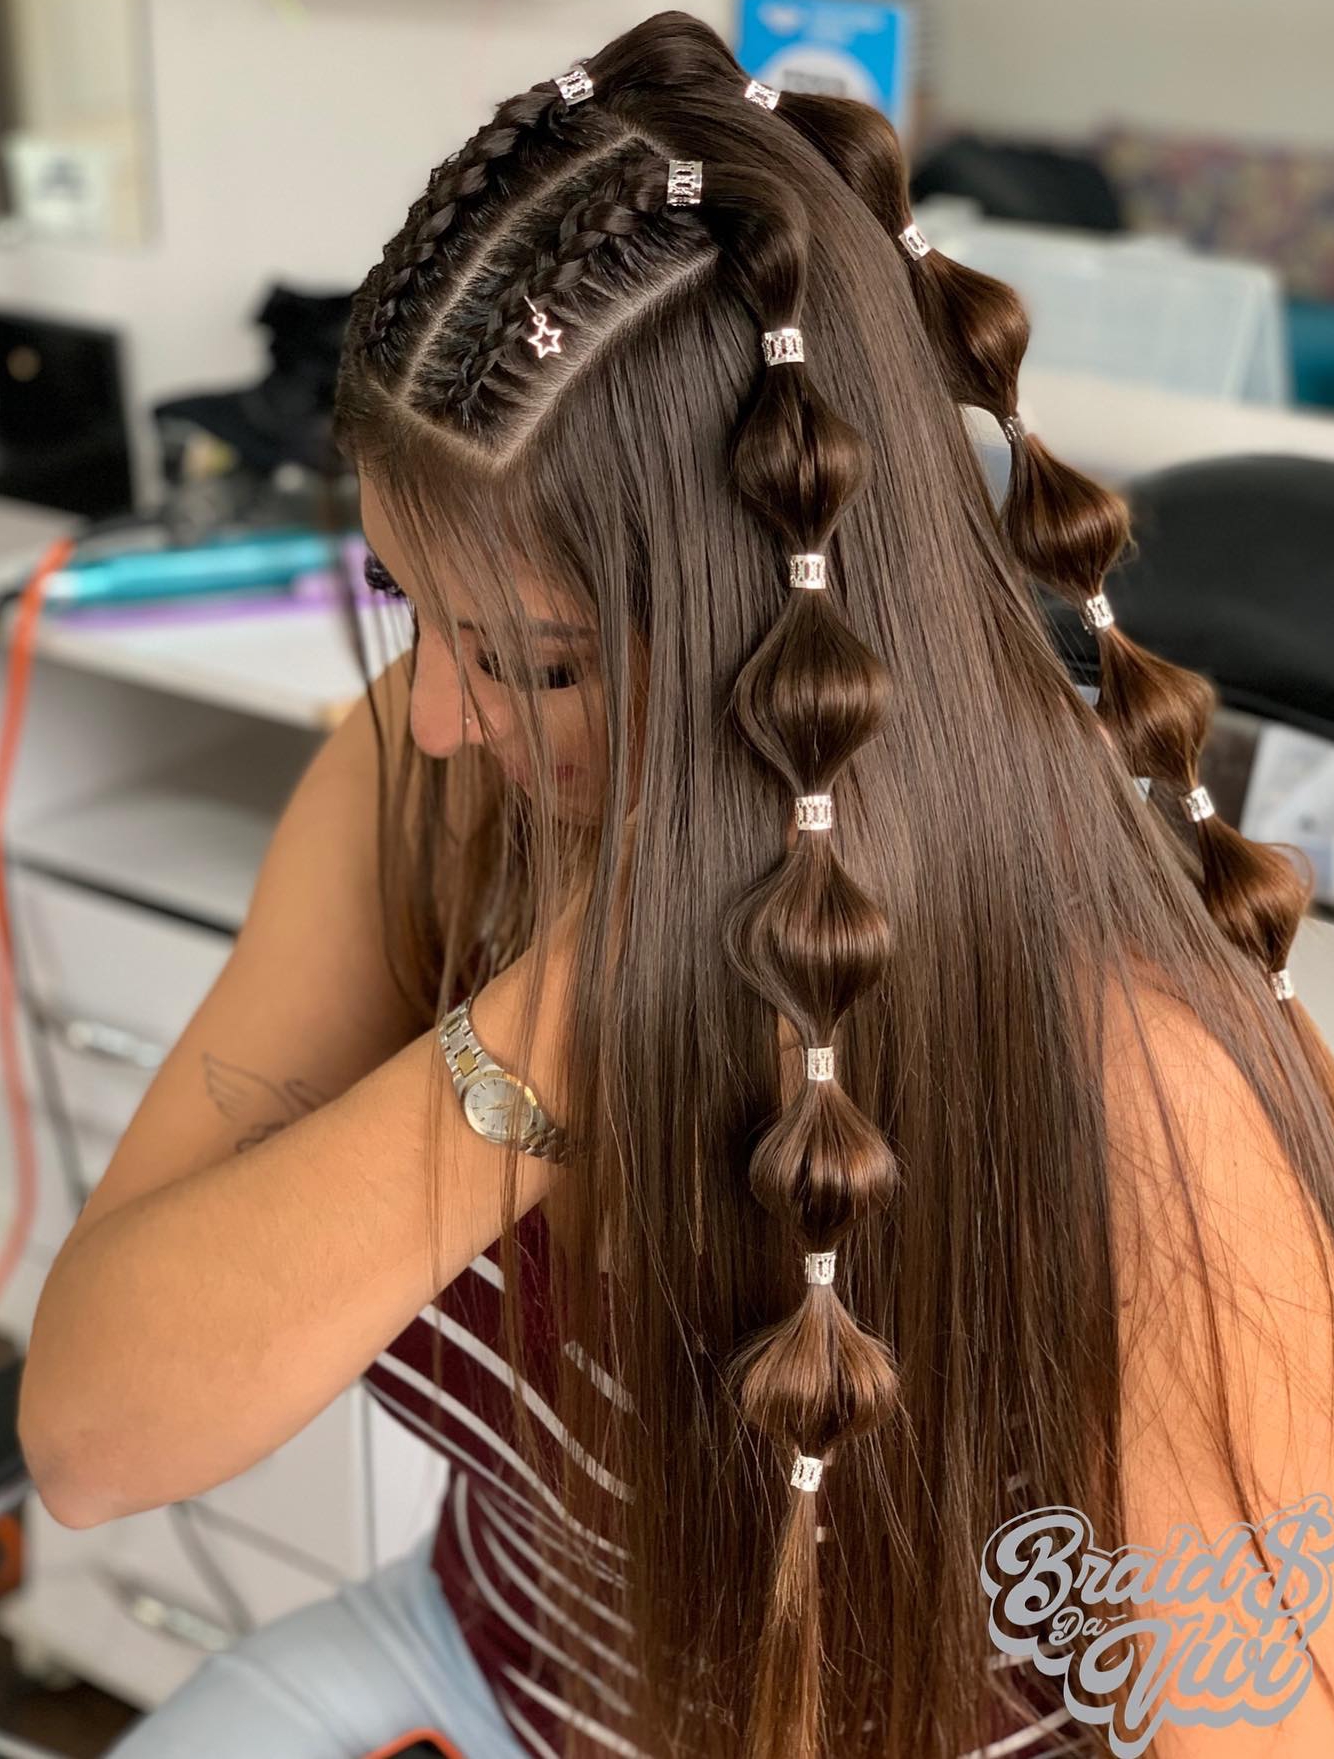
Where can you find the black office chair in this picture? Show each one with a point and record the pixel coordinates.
(1233, 576)
(1043, 185)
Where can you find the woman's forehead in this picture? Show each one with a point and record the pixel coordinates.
(535, 595)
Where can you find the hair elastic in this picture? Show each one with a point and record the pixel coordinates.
(685, 182)
(806, 569)
(1281, 983)
(759, 93)
(820, 1267)
(820, 1062)
(806, 1472)
(783, 345)
(913, 241)
(575, 85)
(815, 812)
(1096, 612)
(1197, 805)
(1013, 428)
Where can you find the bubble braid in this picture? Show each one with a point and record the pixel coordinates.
(805, 936)
(1066, 531)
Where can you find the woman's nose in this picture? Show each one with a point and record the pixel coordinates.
(442, 718)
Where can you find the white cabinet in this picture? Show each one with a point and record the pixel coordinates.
(143, 805)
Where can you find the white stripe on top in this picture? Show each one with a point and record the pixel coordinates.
(522, 1511)
(490, 1359)
(508, 1615)
(470, 1420)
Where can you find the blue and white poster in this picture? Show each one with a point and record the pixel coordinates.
(846, 49)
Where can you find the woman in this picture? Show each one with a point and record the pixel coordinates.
(920, 1129)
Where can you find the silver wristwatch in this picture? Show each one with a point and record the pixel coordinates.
(491, 1096)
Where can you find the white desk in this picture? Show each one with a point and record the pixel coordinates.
(1118, 431)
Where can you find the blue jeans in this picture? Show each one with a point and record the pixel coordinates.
(335, 1680)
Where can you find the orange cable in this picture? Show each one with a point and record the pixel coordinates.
(19, 669)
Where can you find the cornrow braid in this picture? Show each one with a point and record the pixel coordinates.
(807, 938)
(632, 194)
(459, 182)
(1067, 531)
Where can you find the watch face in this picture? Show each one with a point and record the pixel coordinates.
(491, 1100)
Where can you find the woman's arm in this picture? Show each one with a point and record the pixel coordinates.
(305, 1004)
(194, 1328)
(147, 1375)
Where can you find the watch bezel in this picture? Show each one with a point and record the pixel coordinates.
(527, 1119)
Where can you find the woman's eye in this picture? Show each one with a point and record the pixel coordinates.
(562, 677)
(379, 579)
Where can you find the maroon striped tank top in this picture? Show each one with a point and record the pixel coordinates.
(494, 1502)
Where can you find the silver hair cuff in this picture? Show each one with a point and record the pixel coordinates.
(1197, 805)
(575, 85)
(806, 1472)
(806, 569)
(815, 812)
(1096, 612)
(685, 182)
(759, 93)
(820, 1062)
(1281, 983)
(1013, 428)
(913, 241)
(782, 345)
(820, 1267)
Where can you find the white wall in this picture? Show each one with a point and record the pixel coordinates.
(1262, 70)
(291, 139)
(76, 64)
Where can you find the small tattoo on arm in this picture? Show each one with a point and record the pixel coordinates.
(264, 1107)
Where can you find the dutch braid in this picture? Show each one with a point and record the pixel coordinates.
(1067, 532)
(806, 937)
(632, 194)
(457, 184)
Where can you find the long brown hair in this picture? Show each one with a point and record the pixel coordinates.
(991, 876)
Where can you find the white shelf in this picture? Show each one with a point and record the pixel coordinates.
(188, 837)
(295, 666)
(1117, 431)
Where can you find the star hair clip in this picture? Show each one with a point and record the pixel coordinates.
(544, 337)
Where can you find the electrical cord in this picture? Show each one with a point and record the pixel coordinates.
(239, 1617)
(11, 723)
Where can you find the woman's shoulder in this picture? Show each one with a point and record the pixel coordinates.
(1224, 1270)
(1197, 1163)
